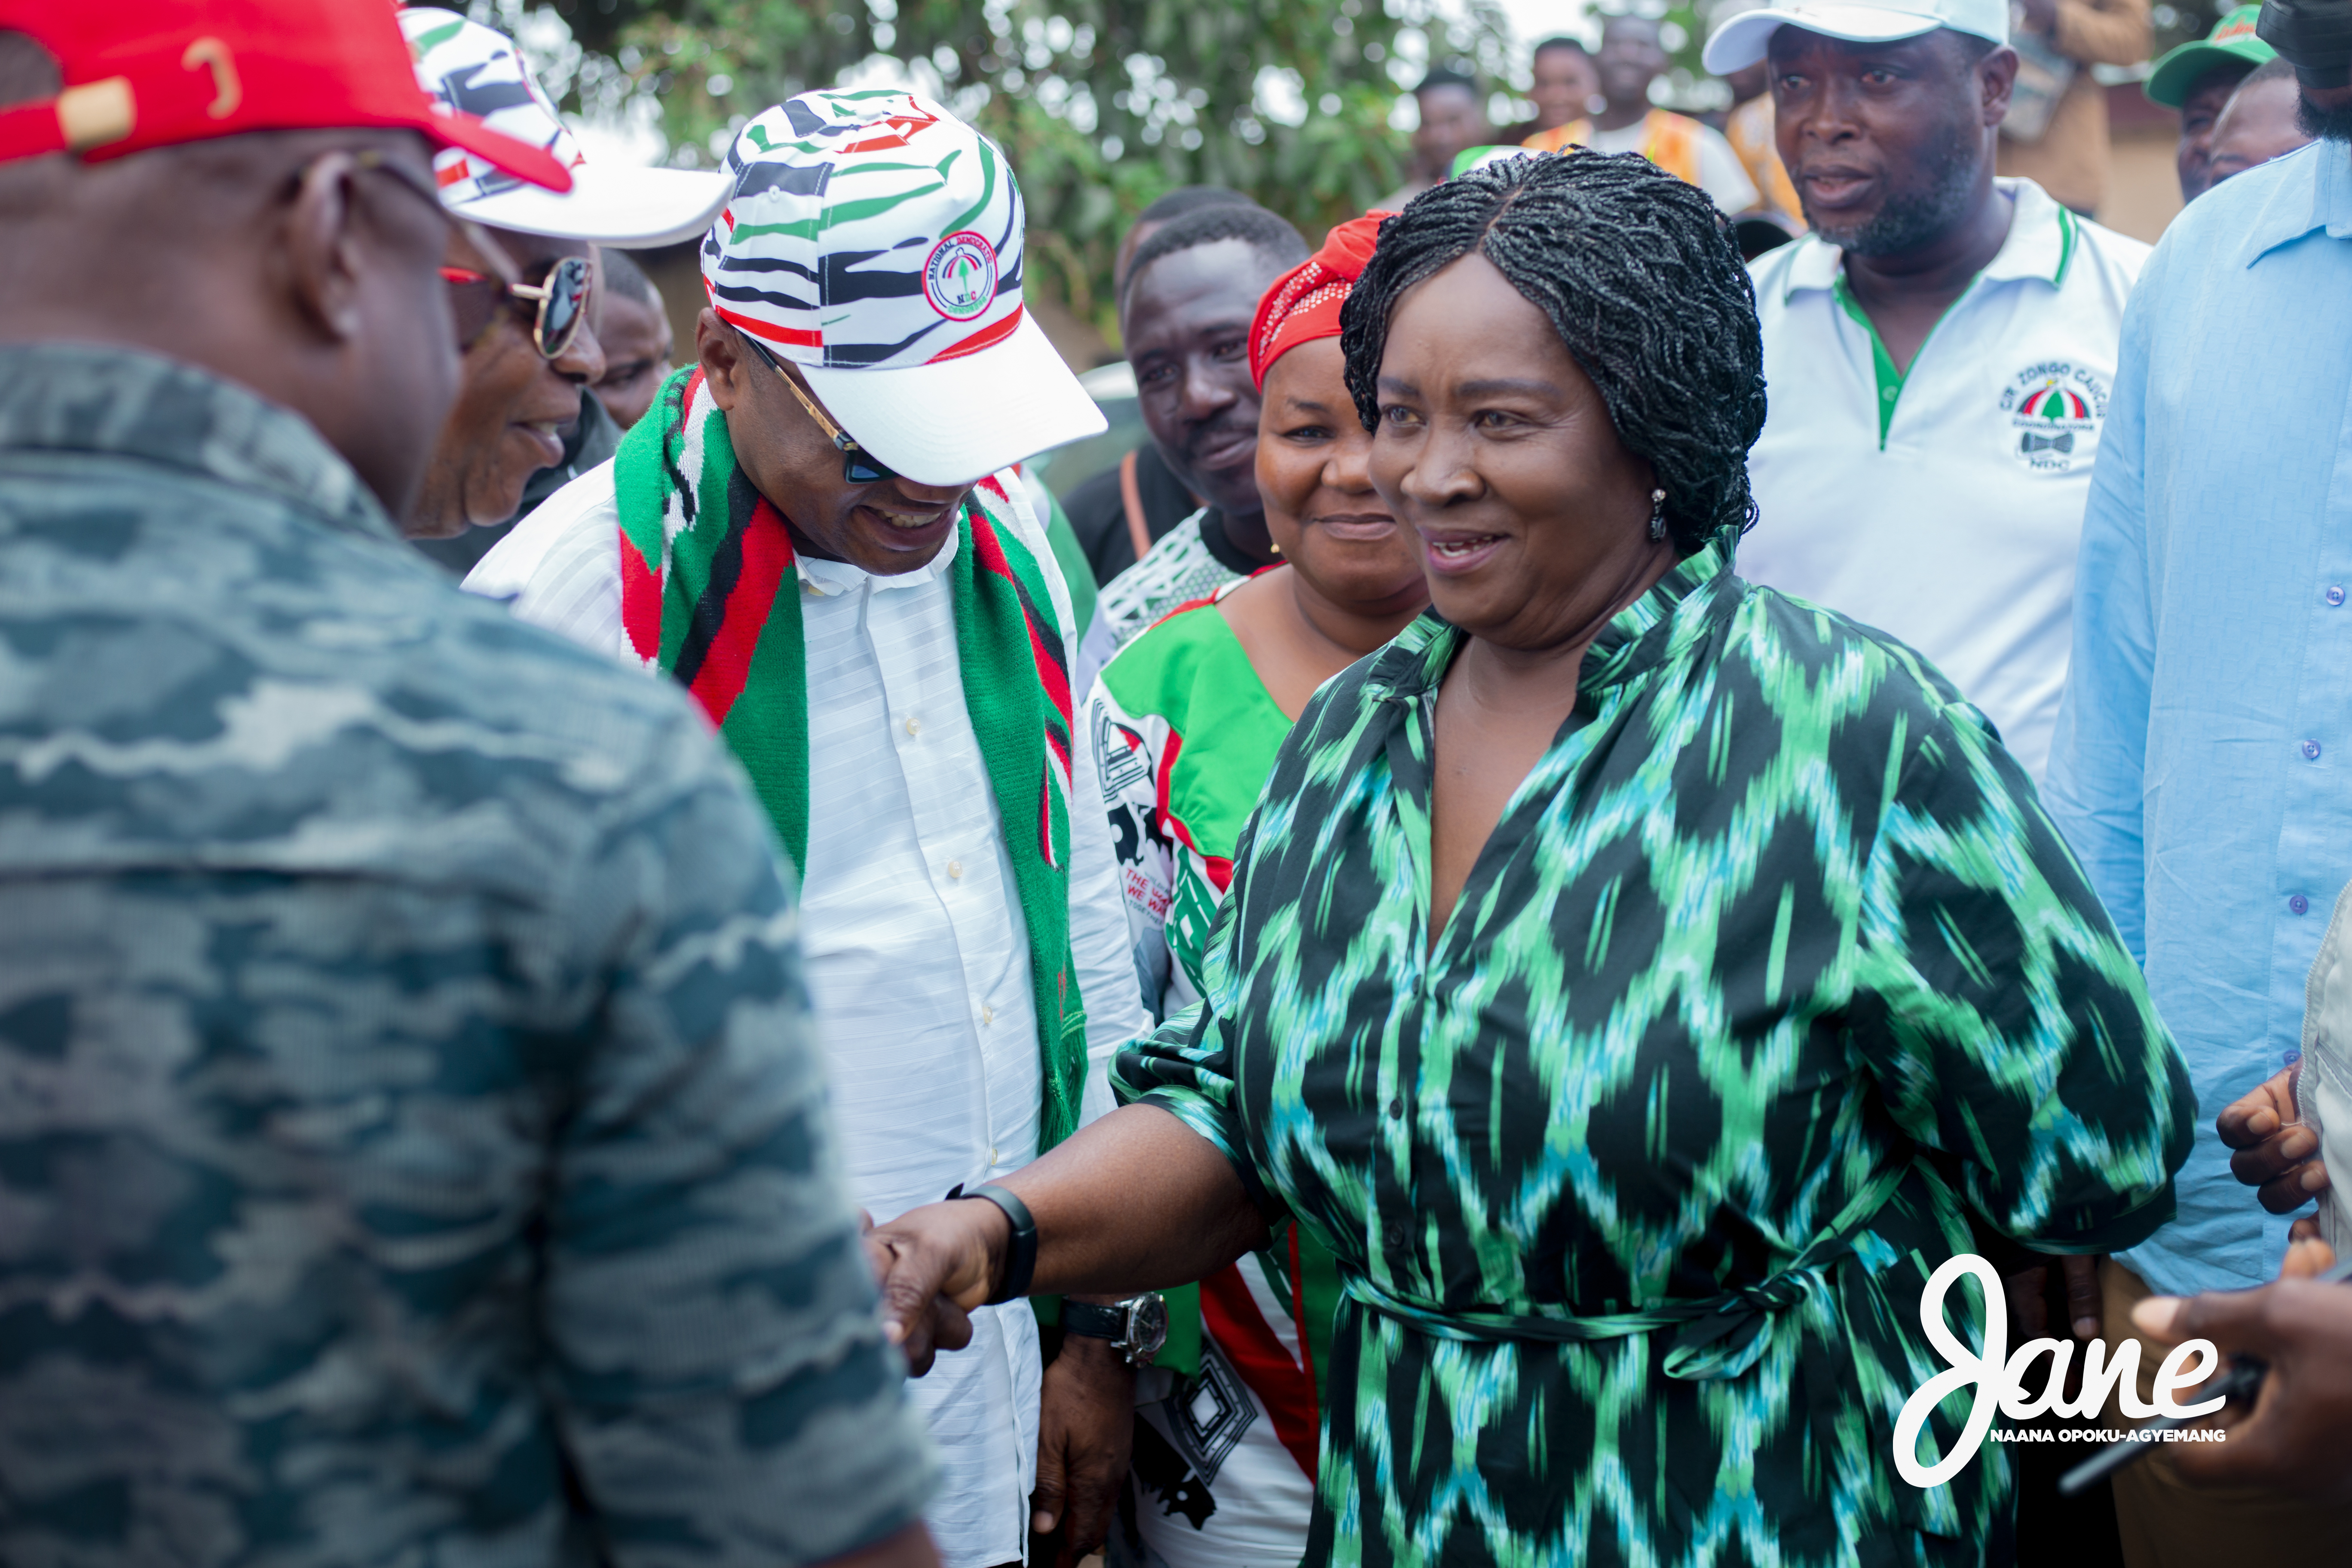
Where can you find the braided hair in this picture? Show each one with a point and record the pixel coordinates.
(1640, 276)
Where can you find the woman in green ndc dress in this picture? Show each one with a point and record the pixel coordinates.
(1632, 975)
(1187, 721)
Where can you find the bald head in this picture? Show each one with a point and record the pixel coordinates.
(295, 263)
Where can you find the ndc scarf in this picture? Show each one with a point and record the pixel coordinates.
(709, 595)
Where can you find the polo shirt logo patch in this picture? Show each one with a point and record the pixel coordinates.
(2054, 408)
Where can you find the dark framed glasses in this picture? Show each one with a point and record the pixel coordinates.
(558, 306)
(858, 466)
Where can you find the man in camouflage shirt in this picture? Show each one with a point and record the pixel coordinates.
(411, 1146)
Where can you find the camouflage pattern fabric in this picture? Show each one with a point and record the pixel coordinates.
(413, 1147)
(1635, 1176)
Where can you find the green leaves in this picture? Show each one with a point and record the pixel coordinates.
(1101, 105)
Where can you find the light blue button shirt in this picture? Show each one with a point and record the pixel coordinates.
(2199, 767)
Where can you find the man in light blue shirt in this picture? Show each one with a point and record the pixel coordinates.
(2202, 765)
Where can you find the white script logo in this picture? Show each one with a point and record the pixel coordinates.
(1999, 1378)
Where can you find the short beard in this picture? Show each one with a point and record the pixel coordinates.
(2327, 124)
(1910, 219)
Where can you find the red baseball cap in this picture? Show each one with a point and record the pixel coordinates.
(157, 73)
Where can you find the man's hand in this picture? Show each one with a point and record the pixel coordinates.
(2029, 1308)
(2301, 1425)
(935, 1264)
(2275, 1153)
(1085, 1424)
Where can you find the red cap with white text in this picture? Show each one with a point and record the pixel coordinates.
(159, 73)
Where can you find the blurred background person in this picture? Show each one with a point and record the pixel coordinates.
(2069, 159)
(2197, 78)
(2261, 121)
(1188, 718)
(1191, 293)
(1453, 121)
(1631, 59)
(633, 327)
(1116, 516)
(1748, 127)
(395, 1172)
(526, 420)
(1567, 88)
(1940, 350)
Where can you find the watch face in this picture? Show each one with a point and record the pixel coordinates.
(1147, 1327)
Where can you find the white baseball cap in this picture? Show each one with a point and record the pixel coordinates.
(877, 241)
(473, 70)
(1740, 41)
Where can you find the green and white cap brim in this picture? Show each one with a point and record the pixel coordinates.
(611, 205)
(1742, 40)
(2233, 41)
(474, 69)
(960, 420)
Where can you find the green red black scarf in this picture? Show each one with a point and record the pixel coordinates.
(709, 595)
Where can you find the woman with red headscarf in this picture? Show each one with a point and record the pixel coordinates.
(1188, 717)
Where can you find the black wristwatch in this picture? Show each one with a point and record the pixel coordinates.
(1135, 1327)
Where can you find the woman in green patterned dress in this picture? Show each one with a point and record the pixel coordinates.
(1187, 719)
(1640, 980)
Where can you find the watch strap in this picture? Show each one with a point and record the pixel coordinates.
(1021, 1257)
(1093, 1322)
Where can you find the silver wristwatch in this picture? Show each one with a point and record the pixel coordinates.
(1135, 1327)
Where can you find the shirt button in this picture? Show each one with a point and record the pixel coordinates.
(2335, 595)
(1886, 394)
(2311, 749)
(2288, 1058)
(987, 1013)
(2299, 904)
(1393, 1234)
(1396, 1109)
(992, 1156)
(955, 870)
(914, 725)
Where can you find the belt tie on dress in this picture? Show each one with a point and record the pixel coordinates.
(1720, 1336)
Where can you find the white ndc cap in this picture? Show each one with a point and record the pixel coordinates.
(1741, 40)
(877, 242)
(466, 66)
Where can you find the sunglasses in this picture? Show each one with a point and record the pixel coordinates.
(858, 466)
(558, 306)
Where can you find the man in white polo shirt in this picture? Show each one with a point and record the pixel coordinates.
(818, 531)
(1940, 350)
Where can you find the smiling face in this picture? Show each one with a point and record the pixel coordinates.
(2198, 113)
(888, 527)
(1497, 450)
(514, 406)
(1187, 321)
(1314, 469)
(1889, 145)
(1566, 83)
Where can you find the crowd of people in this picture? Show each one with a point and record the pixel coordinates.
(1421, 972)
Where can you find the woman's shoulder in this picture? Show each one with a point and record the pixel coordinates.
(1161, 662)
(1872, 677)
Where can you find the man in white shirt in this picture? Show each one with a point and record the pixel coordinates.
(1940, 350)
(818, 531)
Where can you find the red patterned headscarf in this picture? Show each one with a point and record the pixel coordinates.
(1303, 303)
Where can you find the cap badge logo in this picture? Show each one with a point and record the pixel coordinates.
(2054, 409)
(960, 276)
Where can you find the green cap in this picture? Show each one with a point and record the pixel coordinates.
(2233, 38)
